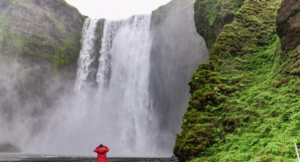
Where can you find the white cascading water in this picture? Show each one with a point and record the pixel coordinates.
(85, 59)
(111, 28)
(122, 85)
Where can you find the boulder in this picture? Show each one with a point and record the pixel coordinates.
(9, 147)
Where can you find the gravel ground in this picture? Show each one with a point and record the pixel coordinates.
(83, 159)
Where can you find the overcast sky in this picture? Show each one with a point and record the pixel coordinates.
(116, 9)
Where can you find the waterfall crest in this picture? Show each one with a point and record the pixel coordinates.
(89, 53)
(86, 54)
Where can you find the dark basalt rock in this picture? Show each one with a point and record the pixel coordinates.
(288, 24)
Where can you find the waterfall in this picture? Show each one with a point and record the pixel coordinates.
(110, 30)
(131, 89)
(85, 59)
(122, 82)
(87, 62)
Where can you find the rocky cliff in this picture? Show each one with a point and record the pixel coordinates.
(48, 30)
(39, 47)
(244, 104)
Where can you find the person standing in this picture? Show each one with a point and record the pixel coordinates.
(101, 151)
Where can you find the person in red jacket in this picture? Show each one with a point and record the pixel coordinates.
(101, 151)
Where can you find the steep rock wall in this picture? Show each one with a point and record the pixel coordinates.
(212, 15)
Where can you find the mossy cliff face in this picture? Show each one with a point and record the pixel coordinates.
(47, 30)
(245, 101)
(212, 15)
(39, 47)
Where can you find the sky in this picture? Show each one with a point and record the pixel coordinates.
(116, 9)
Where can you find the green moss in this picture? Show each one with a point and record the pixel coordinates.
(1, 39)
(61, 56)
(245, 100)
(21, 44)
(60, 26)
(212, 10)
(66, 4)
(212, 15)
(81, 18)
(5, 21)
(20, 2)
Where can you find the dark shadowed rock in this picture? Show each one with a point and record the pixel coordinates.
(212, 15)
(288, 24)
(9, 147)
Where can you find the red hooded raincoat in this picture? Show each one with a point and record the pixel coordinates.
(101, 153)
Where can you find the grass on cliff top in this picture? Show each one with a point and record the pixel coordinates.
(67, 4)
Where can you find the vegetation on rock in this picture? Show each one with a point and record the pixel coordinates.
(49, 30)
(212, 15)
(245, 101)
(39, 47)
